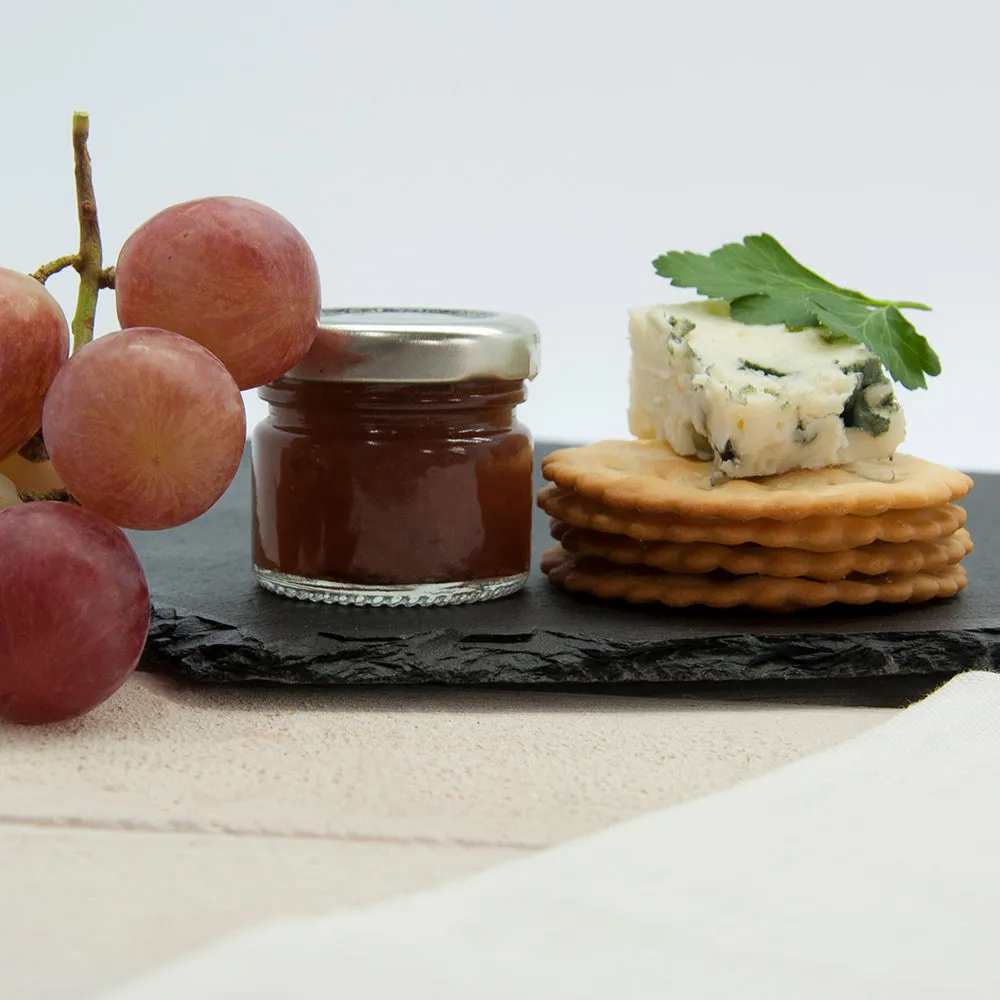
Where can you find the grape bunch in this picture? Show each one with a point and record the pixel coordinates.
(143, 428)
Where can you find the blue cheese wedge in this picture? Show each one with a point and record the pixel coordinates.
(757, 400)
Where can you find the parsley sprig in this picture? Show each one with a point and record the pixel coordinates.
(764, 283)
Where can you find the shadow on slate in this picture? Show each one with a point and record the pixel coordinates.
(211, 622)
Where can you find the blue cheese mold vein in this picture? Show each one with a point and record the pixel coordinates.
(757, 400)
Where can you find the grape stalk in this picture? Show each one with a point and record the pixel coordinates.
(87, 262)
(89, 259)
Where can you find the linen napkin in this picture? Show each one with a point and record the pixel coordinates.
(869, 870)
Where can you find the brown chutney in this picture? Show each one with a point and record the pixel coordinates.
(391, 468)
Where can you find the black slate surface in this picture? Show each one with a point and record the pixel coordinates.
(211, 622)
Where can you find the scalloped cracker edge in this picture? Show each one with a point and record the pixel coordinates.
(639, 585)
(648, 477)
(878, 559)
(818, 533)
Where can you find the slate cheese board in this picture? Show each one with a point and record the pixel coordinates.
(212, 623)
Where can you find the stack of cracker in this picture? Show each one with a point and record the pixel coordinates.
(636, 522)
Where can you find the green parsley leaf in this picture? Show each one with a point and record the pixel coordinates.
(764, 283)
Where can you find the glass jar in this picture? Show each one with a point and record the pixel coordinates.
(391, 469)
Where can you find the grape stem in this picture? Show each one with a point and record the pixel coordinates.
(72, 260)
(55, 266)
(34, 450)
(88, 261)
(57, 496)
(90, 236)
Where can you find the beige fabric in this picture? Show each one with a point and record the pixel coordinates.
(173, 815)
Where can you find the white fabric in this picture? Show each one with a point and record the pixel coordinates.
(870, 870)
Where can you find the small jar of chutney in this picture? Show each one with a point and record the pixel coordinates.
(391, 468)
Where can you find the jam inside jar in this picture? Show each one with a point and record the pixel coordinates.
(392, 492)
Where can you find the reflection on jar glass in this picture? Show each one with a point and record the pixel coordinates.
(391, 468)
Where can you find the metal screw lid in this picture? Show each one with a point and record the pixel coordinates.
(420, 345)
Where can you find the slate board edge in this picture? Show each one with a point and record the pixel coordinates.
(190, 646)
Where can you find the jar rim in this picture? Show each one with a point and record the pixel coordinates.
(417, 344)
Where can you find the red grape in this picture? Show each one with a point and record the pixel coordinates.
(229, 273)
(74, 611)
(34, 342)
(145, 427)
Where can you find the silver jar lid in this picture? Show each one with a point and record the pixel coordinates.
(420, 345)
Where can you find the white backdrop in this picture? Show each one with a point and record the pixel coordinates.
(535, 156)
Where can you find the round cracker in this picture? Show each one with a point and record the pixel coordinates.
(641, 585)
(819, 533)
(878, 559)
(648, 476)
